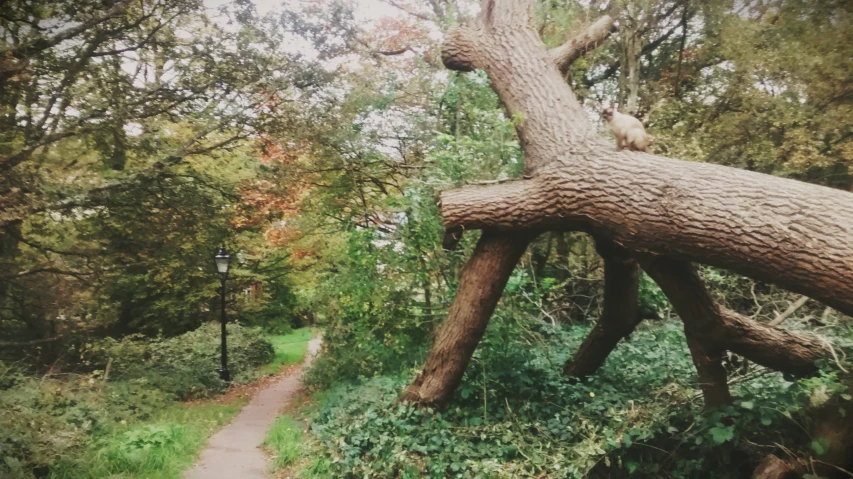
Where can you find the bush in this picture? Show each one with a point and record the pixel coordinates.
(43, 421)
(515, 415)
(10, 375)
(353, 351)
(188, 365)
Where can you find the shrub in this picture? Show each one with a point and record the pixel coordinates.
(46, 420)
(43, 421)
(10, 375)
(515, 415)
(188, 365)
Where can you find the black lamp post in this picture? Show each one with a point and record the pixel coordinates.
(222, 260)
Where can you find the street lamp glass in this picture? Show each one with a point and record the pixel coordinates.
(222, 259)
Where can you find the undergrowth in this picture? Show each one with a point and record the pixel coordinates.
(515, 415)
(160, 448)
(117, 412)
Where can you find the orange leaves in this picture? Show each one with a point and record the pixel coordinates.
(280, 234)
(262, 201)
(272, 152)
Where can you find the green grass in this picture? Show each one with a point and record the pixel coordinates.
(289, 349)
(166, 445)
(161, 448)
(285, 441)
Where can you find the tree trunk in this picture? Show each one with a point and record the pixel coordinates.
(540, 254)
(483, 280)
(797, 235)
(633, 50)
(684, 25)
(619, 316)
(487, 271)
(721, 329)
(708, 359)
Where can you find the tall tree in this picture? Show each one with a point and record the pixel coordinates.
(648, 205)
(130, 131)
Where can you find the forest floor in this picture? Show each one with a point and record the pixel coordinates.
(235, 451)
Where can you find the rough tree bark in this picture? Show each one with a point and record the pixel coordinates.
(566, 54)
(794, 234)
(721, 329)
(761, 226)
(619, 315)
(494, 257)
(488, 269)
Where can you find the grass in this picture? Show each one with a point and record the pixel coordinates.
(287, 443)
(285, 440)
(167, 444)
(289, 349)
(161, 448)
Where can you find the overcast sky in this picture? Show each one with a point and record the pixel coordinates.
(364, 9)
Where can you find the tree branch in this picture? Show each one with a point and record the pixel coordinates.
(721, 329)
(691, 211)
(619, 316)
(22, 51)
(788, 312)
(589, 39)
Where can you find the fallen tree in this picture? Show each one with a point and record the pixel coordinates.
(665, 212)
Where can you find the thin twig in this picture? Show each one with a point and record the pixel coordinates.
(788, 312)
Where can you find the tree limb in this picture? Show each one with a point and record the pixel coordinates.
(22, 51)
(788, 312)
(566, 54)
(619, 316)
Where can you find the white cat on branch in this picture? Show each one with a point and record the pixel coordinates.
(629, 132)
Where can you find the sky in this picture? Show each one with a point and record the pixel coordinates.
(365, 9)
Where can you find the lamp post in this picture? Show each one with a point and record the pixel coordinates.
(222, 260)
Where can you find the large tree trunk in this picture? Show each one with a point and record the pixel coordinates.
(722, 329)
(486, 272)
(619, 315)
(797, 235)
(483, 280)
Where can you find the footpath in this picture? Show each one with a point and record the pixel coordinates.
(235, 451)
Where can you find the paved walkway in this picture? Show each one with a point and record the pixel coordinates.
(234, 452)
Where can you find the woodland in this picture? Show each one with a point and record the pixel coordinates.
(431, 186)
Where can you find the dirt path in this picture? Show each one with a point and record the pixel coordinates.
(234, 452)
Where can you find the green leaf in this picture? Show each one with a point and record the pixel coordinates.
(721, 434)
(746, 405)
(819, 446)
